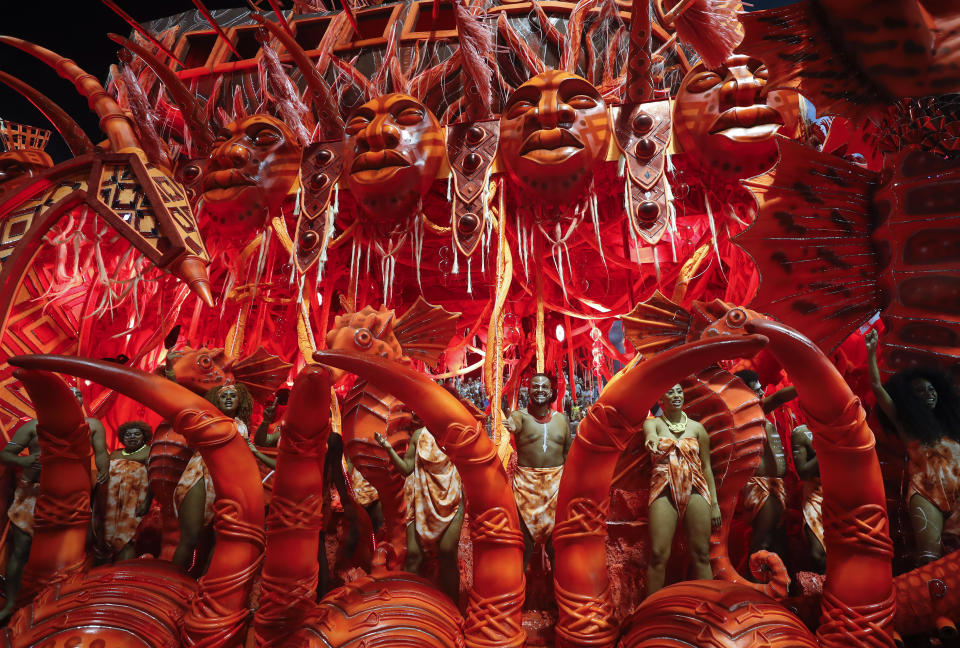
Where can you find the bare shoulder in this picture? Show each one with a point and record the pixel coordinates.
(95, 424)
(652, 424)
(697, 427)
(799, 436)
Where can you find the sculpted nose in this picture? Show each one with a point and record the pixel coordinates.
(232, 155)
(553, 113)
(379, 135)
(740, 88)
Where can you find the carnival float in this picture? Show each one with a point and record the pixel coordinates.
(420, 242)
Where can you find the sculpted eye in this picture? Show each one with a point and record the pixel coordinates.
(356, 125)
(703, 82)
(362, 338)
(266, 136)
(191, 172)
(519, 108)
(410, 116)
(204, 362)
(581, 102)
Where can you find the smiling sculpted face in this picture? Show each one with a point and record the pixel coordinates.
(251, 170)
(393, 148)
(728, 119)
(554, 131)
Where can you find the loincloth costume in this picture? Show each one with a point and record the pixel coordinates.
(535, 491)
(677, 465)
(813, 508)
(758, 490)
(195, 471)
(363, 491)
(24, 503)
(934, 473)
(433, 490)
(127, 489)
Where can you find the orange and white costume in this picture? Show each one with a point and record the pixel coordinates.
(934, 473)
(535, 491)
(23, 505)
(195, 471)
(676, 465)
(433, 490)
(127, 489)
(813, 507)
(758, 490)
(363, 491)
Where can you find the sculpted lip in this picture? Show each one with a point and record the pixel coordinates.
(550, 140)
(225, 179)
(743, 117)
(376, 160)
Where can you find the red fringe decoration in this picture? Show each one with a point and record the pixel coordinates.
(711, 28)
(475, 41)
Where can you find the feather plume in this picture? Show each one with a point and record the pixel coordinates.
(475, 41)
(711, 28)
(292, 110)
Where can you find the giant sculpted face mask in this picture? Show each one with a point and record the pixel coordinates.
(729, 120)
(252, 168)
(393, 148)
(554, 131)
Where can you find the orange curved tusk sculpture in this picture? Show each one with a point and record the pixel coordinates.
(580, 580)
(493, 612)
(217, 614)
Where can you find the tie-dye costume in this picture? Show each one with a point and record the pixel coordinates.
(363, 491)
(195, 471)
(433, 490)
(934, 473)
(127, 489)
(813, 507)
(758, 490)
(676, 465)
(535, 491)
(23, 505)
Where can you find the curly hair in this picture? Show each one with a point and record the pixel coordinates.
(747, 376)
(245, 405)
(140, 425)
(919, 421)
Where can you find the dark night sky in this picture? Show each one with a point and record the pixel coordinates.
(78, 30)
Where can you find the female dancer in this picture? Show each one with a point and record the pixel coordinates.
(681, 488)
(925, 410)
(194, 494)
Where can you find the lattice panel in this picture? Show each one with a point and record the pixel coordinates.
(122, 193)
(17, 222)
(35, 326)
(19, 137)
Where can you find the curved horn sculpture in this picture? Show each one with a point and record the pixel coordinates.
(579, 537)
(858, 595)
(290, 570)
(190, 108)
(76, 139)
(113, 122)
(493, 613)
(63, 505)
(218, 612)
(327, 114)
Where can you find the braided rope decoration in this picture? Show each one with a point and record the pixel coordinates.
(494, 621)
(305, 514)
(75, 446)
(208, 623)
(460, 437)
(865, 626)
(584, 620)
(314, 446)
(609, 424)
(58, 512)
(192, 423)
(864, 528)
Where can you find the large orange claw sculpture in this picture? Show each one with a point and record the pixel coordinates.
(858, 595)
(493, 612)
(216, 614)
(63, 505)
(290, 570)
(580, 579)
